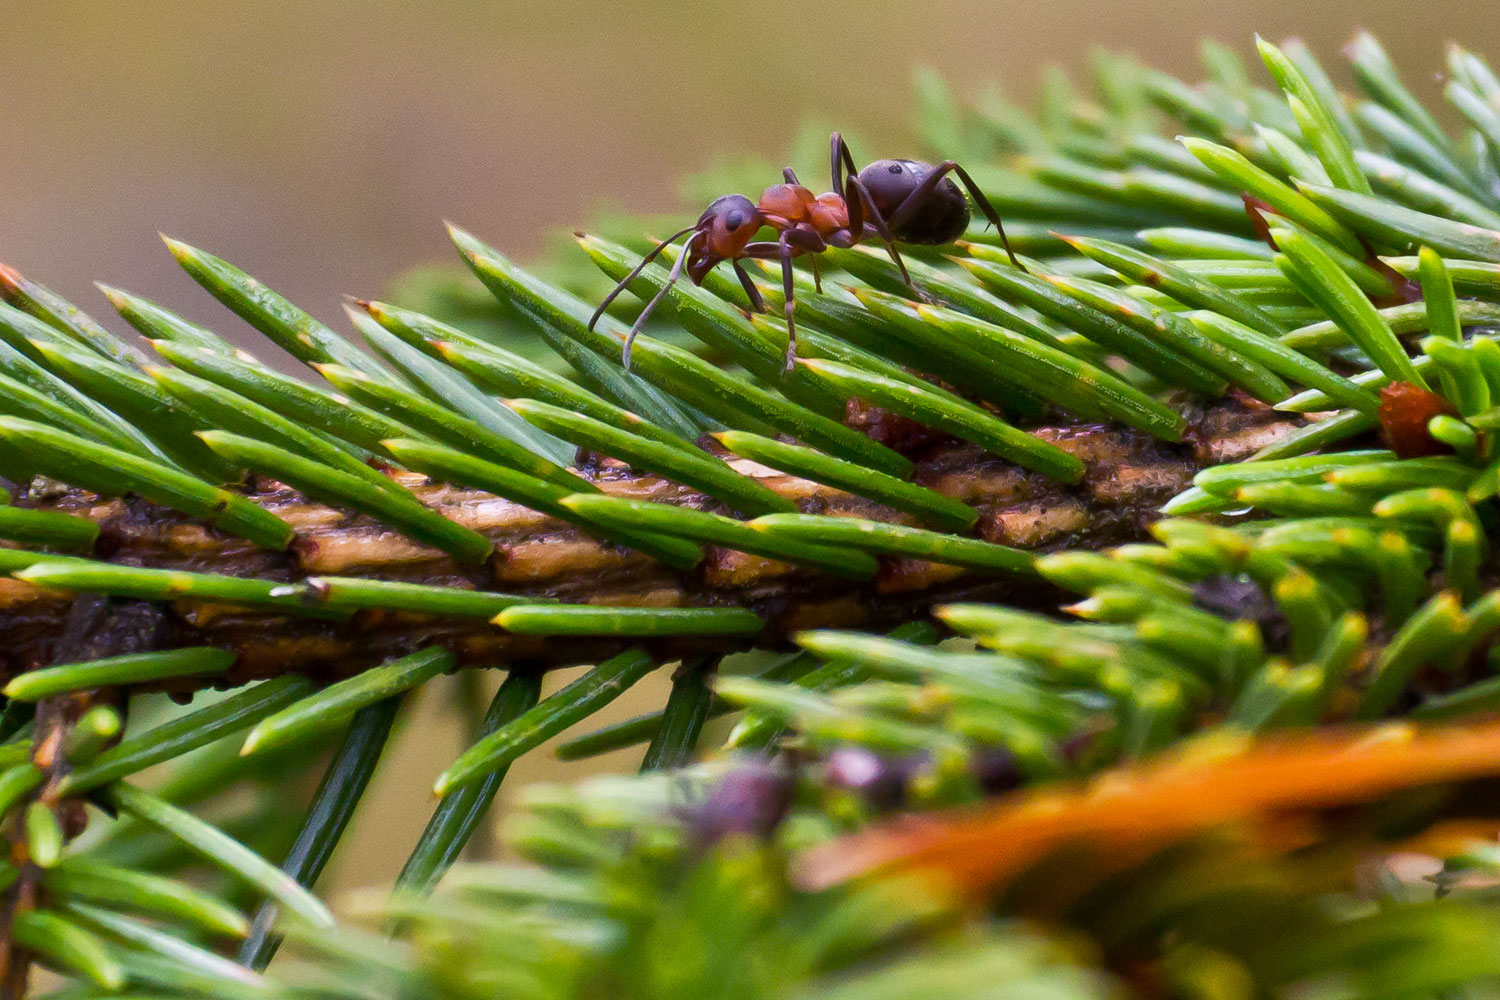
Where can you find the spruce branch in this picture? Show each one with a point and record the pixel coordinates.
(1273, 332)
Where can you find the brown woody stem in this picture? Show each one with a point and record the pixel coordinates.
(1130, 475)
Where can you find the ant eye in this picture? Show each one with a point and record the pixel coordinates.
(734, 221)
(894, 168)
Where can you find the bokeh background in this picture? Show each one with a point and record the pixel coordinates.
(320, 144)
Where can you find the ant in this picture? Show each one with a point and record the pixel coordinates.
(891, 200)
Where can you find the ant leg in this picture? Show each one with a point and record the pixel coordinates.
(855, 195)
(989, 213)
(798, 239)
(635, 272)
(757, 301)
(790, 294)
(930, 183)
(782, 250)
(640, 321)
(854, 205)
(840, 160)
(890, 248)
(861, 195)
(790, 176)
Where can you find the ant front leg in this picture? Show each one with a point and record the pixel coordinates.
(757, 301)
(930, 183)
(788, 290)
(782, 250)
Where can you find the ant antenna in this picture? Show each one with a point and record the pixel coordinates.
(635, 272)
(676, 272)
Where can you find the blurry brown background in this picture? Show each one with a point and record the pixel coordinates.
(319, 145)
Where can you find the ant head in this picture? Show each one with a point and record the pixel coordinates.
(722, 232)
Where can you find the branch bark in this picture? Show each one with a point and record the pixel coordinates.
(1130, 475)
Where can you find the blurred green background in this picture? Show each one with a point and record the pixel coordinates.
(319, 146)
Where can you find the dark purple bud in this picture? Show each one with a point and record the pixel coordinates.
(880, 781)
(1238, 599)
(996, 771)
(751, 800)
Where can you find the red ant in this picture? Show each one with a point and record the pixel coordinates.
(890, 200)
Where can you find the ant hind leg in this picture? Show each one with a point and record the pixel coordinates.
(931, 181)
(916, 292)
(840, 160)
(858, 194)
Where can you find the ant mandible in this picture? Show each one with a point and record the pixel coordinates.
(894, 201)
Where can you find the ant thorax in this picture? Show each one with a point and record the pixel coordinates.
(785, 206)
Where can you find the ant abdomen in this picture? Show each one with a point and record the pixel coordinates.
(940, 217)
